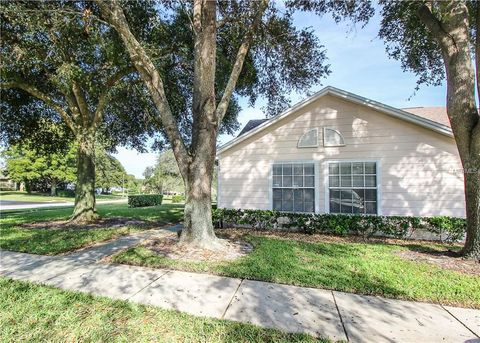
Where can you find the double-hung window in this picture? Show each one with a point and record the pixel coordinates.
(293, 187)
(352, 187)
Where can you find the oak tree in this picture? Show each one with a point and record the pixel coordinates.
(439, 40)
(59, 63)
(236, 48)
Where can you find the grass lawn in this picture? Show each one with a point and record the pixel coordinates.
(351, 267)
(34, 313)
(39, 240)
(45, 197)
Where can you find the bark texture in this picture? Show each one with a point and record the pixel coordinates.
(453, 36)
(85, 210)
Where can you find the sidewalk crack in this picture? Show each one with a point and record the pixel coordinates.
(147, 285)
(230, 302)
(458, 320)
(340, 315)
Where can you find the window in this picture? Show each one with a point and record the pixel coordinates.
(309, 139)
(352, 187)
(332, 138)
(294, 187)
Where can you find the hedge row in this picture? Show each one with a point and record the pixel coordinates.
(448, 228)
(144, 200)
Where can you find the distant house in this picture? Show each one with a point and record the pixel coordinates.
(6, 184)
(337, 152)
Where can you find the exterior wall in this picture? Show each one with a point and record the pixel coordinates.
(419, 170)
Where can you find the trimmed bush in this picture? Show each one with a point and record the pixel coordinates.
(144, 200)
(448, 228)
(178, 198)
(65, 193)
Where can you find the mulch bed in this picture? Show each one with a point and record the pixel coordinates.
(322, 238)
(443, 259)
(113, 222)
(169, 247)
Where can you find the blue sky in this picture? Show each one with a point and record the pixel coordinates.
(359, 65)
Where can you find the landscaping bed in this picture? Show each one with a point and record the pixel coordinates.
(338, 263)
(34, 313)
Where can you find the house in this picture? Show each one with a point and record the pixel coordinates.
(337, 152)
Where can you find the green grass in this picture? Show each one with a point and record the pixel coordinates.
(46, 197)
(351, 267)
(34, 313)
(54, 241)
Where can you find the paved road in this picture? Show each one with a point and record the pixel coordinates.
(18, 205)
(337, 315)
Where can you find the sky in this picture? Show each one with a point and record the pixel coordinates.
(358, 64)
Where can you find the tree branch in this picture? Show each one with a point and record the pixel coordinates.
(113, 13)
(102, 99)
(435, 26)
(32, 90)
(81, 102)
(240, 59)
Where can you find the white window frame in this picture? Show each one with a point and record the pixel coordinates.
(308, 146)
(379, 181)
(325, 128)
(316, 182)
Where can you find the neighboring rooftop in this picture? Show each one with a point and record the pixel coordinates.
(437, 114)
(251, 125)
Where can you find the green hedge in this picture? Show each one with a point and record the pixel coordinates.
(65, 193)
(178, 198)
(449, 228)
(144, 200)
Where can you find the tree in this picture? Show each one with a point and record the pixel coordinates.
(248, 48)
(439, 40)
(25, 163)
(165, 177)
(61, 65)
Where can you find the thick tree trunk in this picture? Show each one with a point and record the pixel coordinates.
(472, 196)
(198, 226)
(85, 210)
(452, 35)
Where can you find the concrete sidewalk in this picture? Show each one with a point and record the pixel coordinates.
(336, 315)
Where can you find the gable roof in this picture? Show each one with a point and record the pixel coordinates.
(329, 90)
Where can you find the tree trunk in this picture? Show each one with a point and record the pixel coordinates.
(452, 35)
(198, 227)
(28, 186)
(53, 188)
(85, 210)
(472, 196)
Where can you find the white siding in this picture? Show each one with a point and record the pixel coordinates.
(420, 169)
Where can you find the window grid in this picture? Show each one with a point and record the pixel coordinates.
(348, 196)
(294, 187)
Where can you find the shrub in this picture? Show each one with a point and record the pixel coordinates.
(65, 193)
(178, 198)
(144, 200)
(448, 228)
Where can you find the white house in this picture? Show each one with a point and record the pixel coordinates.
(337, 152)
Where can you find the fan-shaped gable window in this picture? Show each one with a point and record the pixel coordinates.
(309, 139)
(332, 137)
